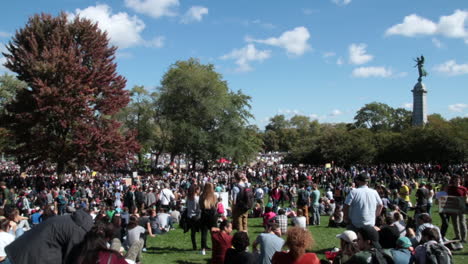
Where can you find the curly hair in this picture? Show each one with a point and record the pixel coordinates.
(298, 240)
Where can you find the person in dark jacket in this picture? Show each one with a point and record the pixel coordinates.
(53, 241)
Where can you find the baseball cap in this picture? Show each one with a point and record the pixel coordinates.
(348, 236)
(403, 242)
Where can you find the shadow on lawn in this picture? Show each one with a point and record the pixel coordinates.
(165, 250)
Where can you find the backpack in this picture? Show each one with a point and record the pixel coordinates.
(438, 254)
(379, 256)
(245, 199)
(303, 198)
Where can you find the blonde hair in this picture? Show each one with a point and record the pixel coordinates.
(208, 198)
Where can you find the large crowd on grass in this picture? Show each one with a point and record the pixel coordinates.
(108, 218)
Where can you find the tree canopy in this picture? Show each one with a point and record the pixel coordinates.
(65, 114)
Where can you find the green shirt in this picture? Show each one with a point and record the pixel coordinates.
(315, 197)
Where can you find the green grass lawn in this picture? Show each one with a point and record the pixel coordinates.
(176, 247)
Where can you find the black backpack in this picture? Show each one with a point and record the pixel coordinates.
(438, 254)
(245, 199)
(303, 198)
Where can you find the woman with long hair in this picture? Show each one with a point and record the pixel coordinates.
(193, 212)
(94, 248)
(298, 241)
(208, 203)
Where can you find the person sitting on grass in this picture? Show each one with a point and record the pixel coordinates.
(269, 243)
(238, 254)
(268, 216)
(336, 219)
(300, 220)
(429, 246)
(348, 246)
(282, 220)
(221, 241)
(298, 241)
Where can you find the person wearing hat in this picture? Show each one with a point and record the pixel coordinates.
(348, 246)
(402, 253)
(368, 242)
(362, 205)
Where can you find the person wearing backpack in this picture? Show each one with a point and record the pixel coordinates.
(303, 201)
(242, 201)
(431, 251)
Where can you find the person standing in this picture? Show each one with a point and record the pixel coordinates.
(362, 205)
(240, 211)
(166, 196)
(315, 201)
(303, 201)
(193, 212)
(458, 220)
(208, 213)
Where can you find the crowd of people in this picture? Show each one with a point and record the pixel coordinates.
(108, 218)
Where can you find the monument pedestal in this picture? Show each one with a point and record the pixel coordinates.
(419, 105)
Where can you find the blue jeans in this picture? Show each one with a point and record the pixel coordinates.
(315, 215)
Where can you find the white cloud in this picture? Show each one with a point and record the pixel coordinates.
(452, 68)
(357, 54)
(437, 43)
(407, 105)
(154, 8)
(157, 42)
(336, 112)
(123, 30)
(4, 34)
(2, 58)
(2, 61)
(452, 26)
(457, 107)
(294, 41)
(366, 72)
(194, 14)
(329, 54)
(246, 55)
(341, 2)
(413, 25)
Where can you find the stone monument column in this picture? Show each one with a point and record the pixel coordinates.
(419, 96)
(419, 105)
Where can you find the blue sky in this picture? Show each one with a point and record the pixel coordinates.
(320, 58)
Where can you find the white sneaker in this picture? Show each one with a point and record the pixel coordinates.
(144, 250)
(203, 252)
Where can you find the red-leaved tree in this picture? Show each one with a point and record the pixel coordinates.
(65, 114)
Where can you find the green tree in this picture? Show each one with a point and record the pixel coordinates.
(139, 116)
(375, 116)
(205, 119)
(9, 86)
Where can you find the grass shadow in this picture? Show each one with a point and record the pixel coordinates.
(166, 250)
